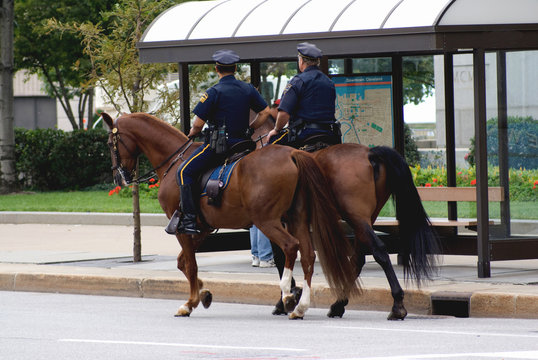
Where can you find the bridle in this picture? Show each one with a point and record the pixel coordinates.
(127, 176)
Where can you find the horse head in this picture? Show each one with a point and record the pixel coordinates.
(123, 152)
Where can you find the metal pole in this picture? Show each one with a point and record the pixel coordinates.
(397, 103)
(255, 74)
(479, 74)
(450, 136)
(184, 97)
(502, 126)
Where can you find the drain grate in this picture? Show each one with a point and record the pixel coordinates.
(451, 303)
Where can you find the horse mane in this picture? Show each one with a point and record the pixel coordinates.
(154, 122)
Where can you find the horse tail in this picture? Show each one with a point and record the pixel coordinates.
(420, 242)
(334, 251)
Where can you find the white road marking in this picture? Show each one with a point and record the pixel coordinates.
(529, 355)
(431, 331)
(150, 343)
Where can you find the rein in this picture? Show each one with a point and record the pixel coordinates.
(127, 176)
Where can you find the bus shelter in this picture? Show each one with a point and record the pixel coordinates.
(350, 30)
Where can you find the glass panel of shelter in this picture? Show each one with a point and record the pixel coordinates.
(512, 142)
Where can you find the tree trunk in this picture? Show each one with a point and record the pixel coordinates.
(7, 134)
(137, 243)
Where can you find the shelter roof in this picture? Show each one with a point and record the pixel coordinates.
(265, 29)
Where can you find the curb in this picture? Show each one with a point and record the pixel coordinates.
(480, 304)
(80, 218)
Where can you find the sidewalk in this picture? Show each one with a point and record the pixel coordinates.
(92, 254)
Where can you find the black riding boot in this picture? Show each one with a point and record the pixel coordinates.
(187, 224)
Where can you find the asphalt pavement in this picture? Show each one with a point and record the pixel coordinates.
(88, 253)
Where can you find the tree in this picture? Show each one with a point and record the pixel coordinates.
(115, 66)
(57, 58)
(7, 134)
(418, 78)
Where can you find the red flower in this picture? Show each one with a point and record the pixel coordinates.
(473, 182)
(116, 190)
(428, 185)
(434, 180)
(440, 185)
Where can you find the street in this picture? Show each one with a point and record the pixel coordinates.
(60, 326)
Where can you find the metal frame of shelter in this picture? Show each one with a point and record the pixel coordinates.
(451, 27)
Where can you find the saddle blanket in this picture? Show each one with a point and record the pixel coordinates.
(225, 176)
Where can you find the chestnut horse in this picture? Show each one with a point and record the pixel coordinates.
(362, 180)
(267, 186)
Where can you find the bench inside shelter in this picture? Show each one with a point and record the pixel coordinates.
(446, 226)
(458, 236)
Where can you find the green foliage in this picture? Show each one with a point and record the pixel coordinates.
(48, 159)
(523, 183)
(57, 58)
(114, 57)
(418, 78)
(522, 143)
(412, 156)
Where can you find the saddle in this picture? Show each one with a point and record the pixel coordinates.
(317, 142)
(214, 186)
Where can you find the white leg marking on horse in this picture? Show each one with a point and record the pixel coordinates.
(304, 302)
(285, 282)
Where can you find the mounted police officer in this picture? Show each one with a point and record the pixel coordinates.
(307, 104)
(225, 107)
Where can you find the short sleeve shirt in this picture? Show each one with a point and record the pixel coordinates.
(310, 96)
(229, 102)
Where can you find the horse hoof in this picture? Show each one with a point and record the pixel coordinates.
(400, 314)
(183, 312)
(294, 316)
(337, 309)
(206, 298)
(279, 308)
(289, 303)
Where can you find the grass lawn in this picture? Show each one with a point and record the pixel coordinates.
(100, 201)
(519, 210)
(75, 201)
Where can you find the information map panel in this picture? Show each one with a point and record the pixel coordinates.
(364, 108)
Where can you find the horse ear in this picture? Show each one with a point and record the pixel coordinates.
(108, 120)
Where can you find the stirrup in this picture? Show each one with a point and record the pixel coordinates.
(172, 226)
(188, 229)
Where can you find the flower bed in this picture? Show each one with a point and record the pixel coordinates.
(523, 183)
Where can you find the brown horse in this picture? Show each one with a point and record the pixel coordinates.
(362, 180)
(267, 186)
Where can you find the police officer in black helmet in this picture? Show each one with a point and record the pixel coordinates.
(307, 104)
(226, 108)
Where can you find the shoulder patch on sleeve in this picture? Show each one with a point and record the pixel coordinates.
(204, 97)
(287, 88)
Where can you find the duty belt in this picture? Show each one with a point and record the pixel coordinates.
(319, 126)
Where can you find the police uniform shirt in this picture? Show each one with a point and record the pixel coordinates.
(229, 102)
(309, 96)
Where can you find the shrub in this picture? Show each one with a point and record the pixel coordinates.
(412, 156)
(48, 159)
(522, 143)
